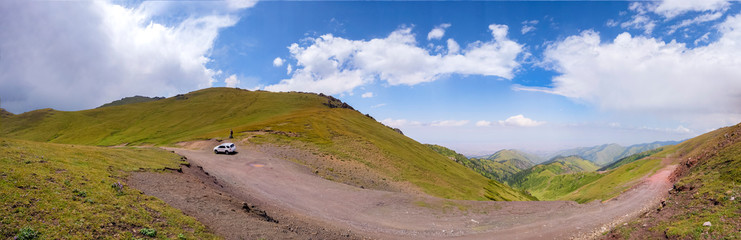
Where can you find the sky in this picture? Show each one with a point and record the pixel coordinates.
(473, 76)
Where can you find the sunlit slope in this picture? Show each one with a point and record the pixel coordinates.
(75, 192)
(285, 118)
(708, 190)
(498, 166)
(555, 178)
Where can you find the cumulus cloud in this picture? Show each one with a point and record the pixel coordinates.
(438, 32)
(277, 62)
(367, 95)
(232, 81)
(673, 8)
(240, 4)
(80, 54)
(520, 121)
(648, 75)
(335, 65)
(289, 69)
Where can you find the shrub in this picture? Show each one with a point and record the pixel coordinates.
(27, 233)
(149, 232)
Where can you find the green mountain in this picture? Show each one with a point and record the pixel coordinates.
(555, 178)
(630, 159)
(608, 153)
(130, 100)
(708, 190)
(521, 160)
(316, 123)
(498, 166)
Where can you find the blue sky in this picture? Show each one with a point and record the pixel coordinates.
(474, 76)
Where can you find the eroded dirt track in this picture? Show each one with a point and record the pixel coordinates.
(291, 192)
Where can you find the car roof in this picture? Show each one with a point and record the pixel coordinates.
(225, 144)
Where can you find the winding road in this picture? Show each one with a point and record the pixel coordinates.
(297, 191)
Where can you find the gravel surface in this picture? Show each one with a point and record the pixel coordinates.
(306, 206)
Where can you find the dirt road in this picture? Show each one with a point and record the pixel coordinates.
(291, 191)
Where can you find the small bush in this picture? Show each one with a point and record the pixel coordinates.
(181, 237)
(27, 233)
(149, 232)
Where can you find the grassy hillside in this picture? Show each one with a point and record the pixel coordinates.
(487, 168)
(516, 158)
(507, 162)
(4, 113)
(614, 182)
(630, 159)
(319, 123)
(130, 100)
(555, 178)
(70, 192)
(708, 191)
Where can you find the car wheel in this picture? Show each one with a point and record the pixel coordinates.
(216, 152)
(226, 152)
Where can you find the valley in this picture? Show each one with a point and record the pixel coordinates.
(310, 166)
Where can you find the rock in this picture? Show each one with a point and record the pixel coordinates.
(733, 198)
(707, 224)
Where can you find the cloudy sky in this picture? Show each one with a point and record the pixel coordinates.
(474, 76)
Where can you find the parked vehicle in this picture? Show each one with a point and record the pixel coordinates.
(225, 148)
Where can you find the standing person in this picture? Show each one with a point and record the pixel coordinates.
(231, 134)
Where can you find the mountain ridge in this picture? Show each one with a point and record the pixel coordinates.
(316, 123)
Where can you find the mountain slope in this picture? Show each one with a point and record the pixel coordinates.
(315, 122)
(630, 159)
(130, 100)
(498, 166)
(555, 178)
(75, 192)
(708, 190)
(516, 158)
(4, 113)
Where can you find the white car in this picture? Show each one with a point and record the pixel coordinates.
(226, 148)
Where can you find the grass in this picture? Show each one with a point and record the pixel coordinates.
(555, 178)
(65, 191)
(290, 117)
(499, 167)
(614, 182)
(713, 183)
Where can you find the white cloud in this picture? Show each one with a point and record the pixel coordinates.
(453, 47)
(641, 20)
(697, 20)
(648, 75)
(378, 105)
(520, 121)
(232, 81)
(367, 95)
(277, 62)
(335, 65)
(438, 32)
(289, 69)
(483, 123)
(528, 26)
(240, 4)
(449, 123)
(399, 123)
(673, 8)
(95, 51)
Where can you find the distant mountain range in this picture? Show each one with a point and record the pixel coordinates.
(498, 166)
(605, 154)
